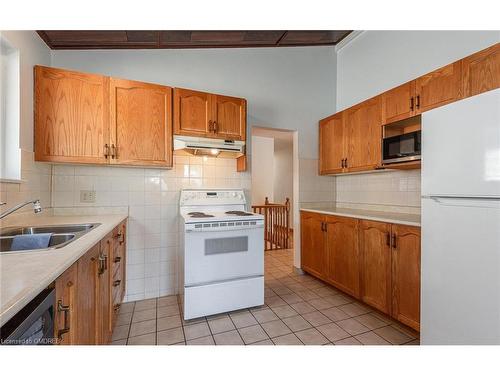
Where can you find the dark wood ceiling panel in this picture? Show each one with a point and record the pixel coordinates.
(109, 39)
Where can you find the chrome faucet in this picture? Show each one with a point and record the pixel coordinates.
(36, 207)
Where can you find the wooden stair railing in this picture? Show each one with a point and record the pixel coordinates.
(276, 224)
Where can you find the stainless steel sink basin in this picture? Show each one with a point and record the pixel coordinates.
(62, 235)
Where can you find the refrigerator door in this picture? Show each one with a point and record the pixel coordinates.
(461, 147)
(460, 297)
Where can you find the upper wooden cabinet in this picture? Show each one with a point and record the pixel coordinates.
(312, 247)
(343, 253)
(481, 71)
(202, 114)
(398, 103)
(71, 116)
(332, 144)
(92, 119)
(363, 128)
(141, 117)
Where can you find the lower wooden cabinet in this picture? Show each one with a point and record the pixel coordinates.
(312, 249)
(342, 253)
(85, 297)
(376, 262)
(65, 319)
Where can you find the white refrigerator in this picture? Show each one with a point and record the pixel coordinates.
(460, 297)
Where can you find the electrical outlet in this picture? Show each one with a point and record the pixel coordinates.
(87, 196)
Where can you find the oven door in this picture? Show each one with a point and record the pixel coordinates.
(215, 256)
(404, 147)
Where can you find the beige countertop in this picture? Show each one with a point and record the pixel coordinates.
(387, 217)
(24, 275)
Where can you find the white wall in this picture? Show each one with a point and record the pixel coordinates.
(35, 176)
(376, 61)
(287, 88)
(264, 169)
(283, 171)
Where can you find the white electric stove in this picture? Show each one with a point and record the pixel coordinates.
(222, 253)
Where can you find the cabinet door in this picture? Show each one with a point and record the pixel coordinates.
(343, 253)
(71, 122)
(406, 275)
(482, 71)
(141, 123)
(312, 249)
(363, 125)
(66, 307)
(440, 87)
(192, 112)
(375, 260)
(104, 310)
(331, 144)
(230, 117)
(399, 103)
(87, 297)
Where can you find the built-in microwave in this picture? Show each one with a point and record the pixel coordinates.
(402, 147)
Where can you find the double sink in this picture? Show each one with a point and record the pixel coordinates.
(61, 236)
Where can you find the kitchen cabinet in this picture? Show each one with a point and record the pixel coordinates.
(363, 127)
(406, 275)
(104, 328)
(398, 103)
(141, 117)
(87, 297)
(65, 317)
(375, 264)
(71, 116)
(118, 270)
(481, 71)
(202, 114)
(312, 239)
(93, 119)
(342, 253)
(332, 144)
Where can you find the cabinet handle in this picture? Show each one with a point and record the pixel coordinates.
(114, 154)
(346, 162)
(117, 259)
(388, 239)
(394, 241)
(215, 127)
(418, 102)
(116, 282)
(210, 126)
(342, 163)
(66, 309)
(117, 307)
(412, 100)
(106, 151)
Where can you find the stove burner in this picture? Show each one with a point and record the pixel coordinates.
(239, 213)
(199, 214)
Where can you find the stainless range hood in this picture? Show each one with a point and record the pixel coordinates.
(209, 146)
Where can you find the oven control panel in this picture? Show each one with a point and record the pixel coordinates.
(204, 197)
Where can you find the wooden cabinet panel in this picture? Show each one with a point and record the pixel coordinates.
(398, 103)
(406, 275)
(87, 296)
(331, 144)
(118, 269)
(481, 71)
(141, 123)
(440, 87)
(343, 253)
(192, 112)
(363, 125)
(71, 122)
(66, 320)
(375, 260)
(230, 117)
(312, 249)
(104, 297)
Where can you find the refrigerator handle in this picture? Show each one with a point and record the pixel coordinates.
(488, 202)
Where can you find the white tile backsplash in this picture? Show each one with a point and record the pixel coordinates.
(151, 197)
(313, 188)
(395, 191)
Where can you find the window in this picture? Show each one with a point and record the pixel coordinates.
(10, 153)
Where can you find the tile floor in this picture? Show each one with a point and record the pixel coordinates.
(298, 310)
